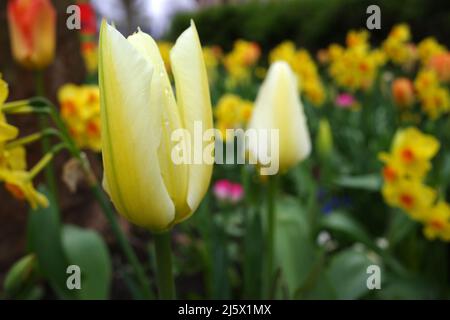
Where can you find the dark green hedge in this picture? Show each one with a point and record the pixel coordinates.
(312, 23)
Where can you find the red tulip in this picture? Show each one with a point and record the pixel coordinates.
(32, 32)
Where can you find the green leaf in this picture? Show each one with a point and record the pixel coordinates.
(347, 273)
(86, 249)
(410, 288)
(370, 182)
(20, 276)
(44, 239)
(296, 254)
(342, 222)
(400, 227)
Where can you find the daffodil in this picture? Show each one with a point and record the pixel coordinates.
(80, 109)
(232, 112)
(414, 149)
(138, 115)
(397, 46)
(437, 222)
(278, 107)
(7, 131)
(410, 195)
(19, 183)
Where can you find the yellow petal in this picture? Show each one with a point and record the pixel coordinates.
(175, 176)
(131, 132)
(194, 105)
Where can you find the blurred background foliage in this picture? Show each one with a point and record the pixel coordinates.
(311, 23)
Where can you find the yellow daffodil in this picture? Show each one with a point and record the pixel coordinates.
(19, 183)
(7, 131)
(397, 46)
(278, 107)
(356, 66)
(410, 195)
(80, 109)
(138, 115)
(434, 98)
(437, 222)
(244, 55)
(232, 112)
(429, 47)
(414, 149)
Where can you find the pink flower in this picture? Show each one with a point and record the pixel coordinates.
(222, 189)
(227, 191)
(236, 192)
(345, 100)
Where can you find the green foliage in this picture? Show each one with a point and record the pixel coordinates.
(56, 247)
(311, 23)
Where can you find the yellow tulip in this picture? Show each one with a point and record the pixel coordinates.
(278, 107)
(138, 114)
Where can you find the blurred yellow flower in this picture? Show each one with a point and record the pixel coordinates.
(403, 185)
(414, 150)
(437, 222)
(232, 112)
(80, 109)
(278, 107)
(429, 47)
(245, 54)
(397, 47)
(410, 195)
(13, 161)
(356, 66)
(434, 98)
(19, 184)
(212, 56)
(357, 39)
(304, 68)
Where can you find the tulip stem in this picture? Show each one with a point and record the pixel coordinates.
(128, 251)
(271, 233)
(46, 145)
(164, 271)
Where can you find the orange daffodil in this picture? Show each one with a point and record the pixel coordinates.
(138, 114)
(405, 169)
(13, 163)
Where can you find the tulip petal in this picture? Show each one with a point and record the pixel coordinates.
(175, 176)
(194, 105)
(278, 106)
(131, 133)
